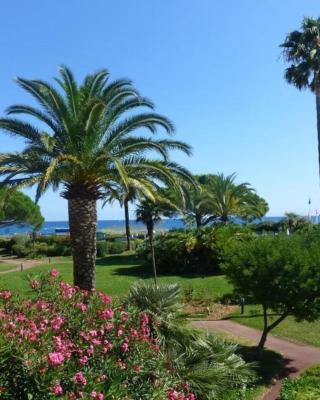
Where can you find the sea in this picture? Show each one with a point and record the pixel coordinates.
(49, 227)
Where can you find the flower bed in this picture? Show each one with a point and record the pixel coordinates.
(66, 343)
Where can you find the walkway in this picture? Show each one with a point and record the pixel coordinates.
(297, 357)
(16, 262)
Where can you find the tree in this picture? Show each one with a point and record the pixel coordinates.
(280, 273)
(143, 183)
(149, 213)
(18, 208)
(221, 198)
(301, 49)
(88, 143)
(293, 222)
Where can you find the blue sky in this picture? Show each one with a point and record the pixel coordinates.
(213, 67)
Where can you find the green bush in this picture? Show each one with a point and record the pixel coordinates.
(191, 251)
(43, 246)
(102, 248)
(117, 247)
(305, 387)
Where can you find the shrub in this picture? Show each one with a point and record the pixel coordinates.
(64, 343)
(191, 251)
(117, 247)
(281, 273)
(102, 248)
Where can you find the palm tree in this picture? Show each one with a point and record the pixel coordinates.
(301, 49)
(144, 183)
(221, 198)
(85, 142)
(294, 222)
(149, 213)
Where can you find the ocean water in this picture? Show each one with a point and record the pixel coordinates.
(49, 227)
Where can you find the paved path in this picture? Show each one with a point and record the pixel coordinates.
(297, 357)
(16, 262)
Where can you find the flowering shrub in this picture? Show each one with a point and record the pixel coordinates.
(65, 343)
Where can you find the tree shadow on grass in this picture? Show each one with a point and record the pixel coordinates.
(271, 367)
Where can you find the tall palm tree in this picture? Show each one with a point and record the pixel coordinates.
(301, 49)
(85, 141)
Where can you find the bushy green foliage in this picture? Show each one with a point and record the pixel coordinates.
(43, 246)
(102, 248)
(281, 273)
(208, 363)
(17, 208)
(305, 387)
(192, 251)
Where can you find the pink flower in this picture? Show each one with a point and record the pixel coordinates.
(124, 347)
(54, 273)
(81, 306)
(80, 378)
(57, 389)
(105, 298)
(172, 394)
(137, 369)
(34, 284)
(107, 314)
(83, 360)
(97, 396)
(120, 332)
(55, 358)
(5, 294)
(56, 323)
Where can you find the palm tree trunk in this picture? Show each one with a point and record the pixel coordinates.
(83, 235)
(150, 228)
(127, 221)
(318, 122)
(198, 220)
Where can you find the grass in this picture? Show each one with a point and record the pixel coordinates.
(305, 387)
(115, 274)
(6, 267)
(305, 332)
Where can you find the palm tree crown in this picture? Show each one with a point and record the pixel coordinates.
(302, 50)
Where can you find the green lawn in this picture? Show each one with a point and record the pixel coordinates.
(115, 274)
(306, 332)
(6, 267)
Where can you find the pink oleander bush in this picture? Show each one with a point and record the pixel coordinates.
(64, 343)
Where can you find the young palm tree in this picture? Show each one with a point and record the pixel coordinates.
(301, 49)
(84, 142)
(149, 213)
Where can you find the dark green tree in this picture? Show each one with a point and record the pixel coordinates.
(281, 273)
(17, 208)
(85, 144)
(301, 50)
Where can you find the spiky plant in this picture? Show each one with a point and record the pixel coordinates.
(208, 363)
(85, 142)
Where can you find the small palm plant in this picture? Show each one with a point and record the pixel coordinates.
(85, 142)
(208, 363)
